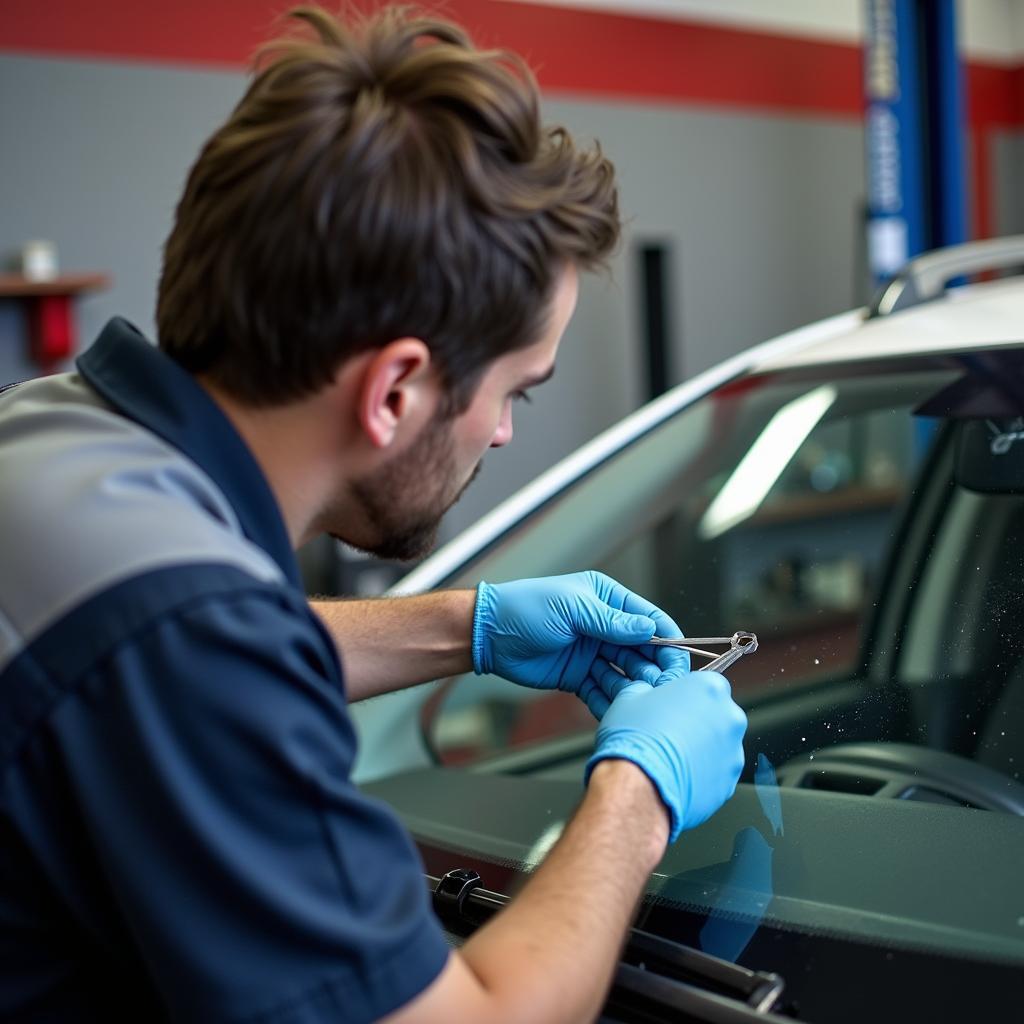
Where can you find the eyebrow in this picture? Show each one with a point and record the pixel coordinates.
(532, 382)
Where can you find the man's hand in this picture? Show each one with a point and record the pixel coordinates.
(686, 734)
(553, 633)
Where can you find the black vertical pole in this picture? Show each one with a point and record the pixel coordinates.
(656, 328)
(656, 332)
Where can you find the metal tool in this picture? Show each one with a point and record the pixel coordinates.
(739, 644)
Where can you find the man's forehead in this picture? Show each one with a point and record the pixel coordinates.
(531, 380)
(529, 366)
(534, 364)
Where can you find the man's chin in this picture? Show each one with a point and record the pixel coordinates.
(400, 541)
(400, 547)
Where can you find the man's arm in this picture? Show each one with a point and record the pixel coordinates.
(391, 643)
(549, 956)
(544, 633)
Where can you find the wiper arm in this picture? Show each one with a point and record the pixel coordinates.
(656, 979)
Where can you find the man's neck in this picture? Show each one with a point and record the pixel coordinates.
(290, 446)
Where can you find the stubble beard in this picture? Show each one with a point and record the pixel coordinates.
(406, 498)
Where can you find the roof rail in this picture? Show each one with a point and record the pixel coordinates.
(925, 277)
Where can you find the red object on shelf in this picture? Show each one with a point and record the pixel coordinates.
(51, 333)
(51, 326)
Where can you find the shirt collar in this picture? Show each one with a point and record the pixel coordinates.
(148, 387)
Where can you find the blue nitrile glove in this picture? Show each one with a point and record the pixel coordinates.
(547, 633)
(686, 734)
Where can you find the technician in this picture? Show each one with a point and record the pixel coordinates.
(373, 258)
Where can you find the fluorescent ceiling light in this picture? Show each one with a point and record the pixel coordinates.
(764, 463)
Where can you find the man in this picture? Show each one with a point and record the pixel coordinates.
(372, 259)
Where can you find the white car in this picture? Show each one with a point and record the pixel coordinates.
(853, 493)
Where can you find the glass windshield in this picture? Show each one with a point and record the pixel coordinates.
(770, 506)
(879, 557)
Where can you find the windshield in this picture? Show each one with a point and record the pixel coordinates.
(770, 506)
(878, 556)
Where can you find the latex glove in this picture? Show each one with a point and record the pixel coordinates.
(686, 735)
(548, 632)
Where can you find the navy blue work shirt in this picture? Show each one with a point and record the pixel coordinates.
(179, 837)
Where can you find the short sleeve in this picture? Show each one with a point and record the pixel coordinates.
(209, 758)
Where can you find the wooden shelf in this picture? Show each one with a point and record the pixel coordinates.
(49, 312)
(848, 501)
(16, 286)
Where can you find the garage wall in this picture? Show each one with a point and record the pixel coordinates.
(760, 213)
(93, 155)
(758, 200)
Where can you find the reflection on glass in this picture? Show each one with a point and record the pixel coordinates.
(767, 787)
(760, 469)
(745, 890)
(745, 886)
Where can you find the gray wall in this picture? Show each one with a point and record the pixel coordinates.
(761, 213)
(1008, 160)
(92, 156)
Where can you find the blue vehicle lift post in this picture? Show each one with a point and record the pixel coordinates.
(914, 133)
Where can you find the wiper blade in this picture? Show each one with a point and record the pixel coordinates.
(656, 979)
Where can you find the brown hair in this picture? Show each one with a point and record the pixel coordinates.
(385, 180)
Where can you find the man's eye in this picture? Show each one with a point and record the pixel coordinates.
(521, 396)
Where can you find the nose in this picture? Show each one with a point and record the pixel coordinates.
(503, 432)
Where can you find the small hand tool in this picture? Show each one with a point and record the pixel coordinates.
(739, 644)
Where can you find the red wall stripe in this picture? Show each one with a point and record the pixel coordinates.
(585, 52)
(995, 102)
(221, 32)
(571, 50)
(995, 95)
(588, 53)
(643, 58)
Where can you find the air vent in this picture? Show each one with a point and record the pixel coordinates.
(841, 782)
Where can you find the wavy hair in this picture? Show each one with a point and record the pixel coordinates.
(381, 178)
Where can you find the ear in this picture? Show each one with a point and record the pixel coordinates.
(398, 387)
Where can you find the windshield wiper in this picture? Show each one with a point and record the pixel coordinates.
(656, 979)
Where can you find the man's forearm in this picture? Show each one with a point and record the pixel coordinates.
(549, 956)
(553, 950)
(390, 643)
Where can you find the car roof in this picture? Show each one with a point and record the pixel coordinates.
(986, 315)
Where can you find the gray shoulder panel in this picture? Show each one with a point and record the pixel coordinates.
(89, 499)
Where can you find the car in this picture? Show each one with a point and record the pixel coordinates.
(853, 494)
